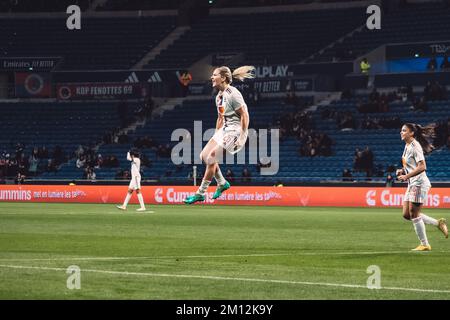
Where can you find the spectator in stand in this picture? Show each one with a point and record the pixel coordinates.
(368, 161)
(33, 164)
(445, 65)
(427, 91)
(420, 105)
(19, 150)
(89, 174)
(389, 180)
(347, 175)
(346, 121)
(246, 176)
(20, 178)
(365, 66)
(374, 95)
(51, 167)
(442, 132)
(99, 161)
(58, 155)
(81, 162)
(229, 175)
(432, 64)
(43, 152)
(114, 161)
(357, 160)
(409, 92)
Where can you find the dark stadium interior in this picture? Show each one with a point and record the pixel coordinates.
(227, 159)
(343, 128)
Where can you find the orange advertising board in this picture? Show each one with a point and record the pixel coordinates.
(260, 196)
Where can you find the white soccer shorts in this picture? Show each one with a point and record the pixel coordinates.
(135, 183)
(227, 139)
(416, 194)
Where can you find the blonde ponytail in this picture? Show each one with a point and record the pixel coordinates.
(241, 73)
(244, 72)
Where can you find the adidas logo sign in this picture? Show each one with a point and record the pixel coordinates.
(132, 78)
(154, 78)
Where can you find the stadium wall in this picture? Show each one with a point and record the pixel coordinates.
(260, 196)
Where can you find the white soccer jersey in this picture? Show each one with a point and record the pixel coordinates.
(135, 166)
(227, 103)
(412, 155)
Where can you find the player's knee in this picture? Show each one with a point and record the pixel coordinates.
(413, 213)
(210, 159)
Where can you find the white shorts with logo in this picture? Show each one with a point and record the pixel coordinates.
(135, 183)
(227, 138)
(416, 194)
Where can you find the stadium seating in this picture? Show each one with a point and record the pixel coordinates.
(71, 124)
(128, 5)
(400, 26)
(102, 43)
(385, 143)
(183, 116)
(52, 124)
(283, 37)
(41, 5)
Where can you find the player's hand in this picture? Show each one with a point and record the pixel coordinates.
(399, 172)
(402, 177)
(240, 141)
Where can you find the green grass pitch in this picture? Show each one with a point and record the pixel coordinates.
(217, 252)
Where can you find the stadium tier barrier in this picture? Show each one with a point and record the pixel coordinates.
(259, 196)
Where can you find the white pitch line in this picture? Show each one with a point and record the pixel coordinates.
(219, 256)
(68, 213)
(155, 257)
(166, 275)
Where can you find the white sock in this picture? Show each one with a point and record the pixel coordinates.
(428, 220)
(421, 232)
(127, 198)
(203, 187)
(141, 200)
(219, 177)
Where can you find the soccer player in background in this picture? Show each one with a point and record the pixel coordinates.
(231, 128)
(135, 183)
(414, 166)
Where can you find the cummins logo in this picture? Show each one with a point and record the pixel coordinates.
(6, 195)
(370, 198)
(158, 195)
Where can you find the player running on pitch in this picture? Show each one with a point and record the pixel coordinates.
(413, 171)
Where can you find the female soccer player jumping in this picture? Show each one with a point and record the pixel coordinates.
(414, 166)
(231, 128)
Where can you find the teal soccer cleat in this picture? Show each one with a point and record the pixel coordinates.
(221, 189)
(195, 198)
